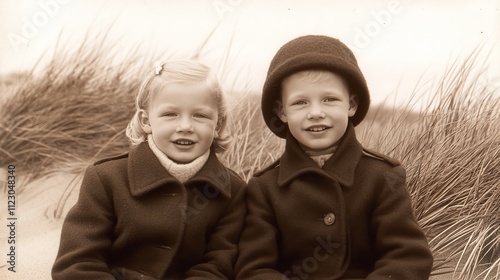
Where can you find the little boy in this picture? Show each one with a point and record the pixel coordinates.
(328, 209)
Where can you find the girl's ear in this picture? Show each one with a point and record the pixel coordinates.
(353, 105)
(144, 121)
(280, 111)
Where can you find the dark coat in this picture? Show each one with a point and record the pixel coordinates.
(351, 219)
(134, 220)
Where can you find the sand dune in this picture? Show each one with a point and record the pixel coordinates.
(37, 230)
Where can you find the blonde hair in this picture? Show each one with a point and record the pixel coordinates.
(179, 72)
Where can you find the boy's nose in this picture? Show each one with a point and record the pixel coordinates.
(184, 125)
(315, 112)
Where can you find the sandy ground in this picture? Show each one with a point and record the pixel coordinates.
(37, 230)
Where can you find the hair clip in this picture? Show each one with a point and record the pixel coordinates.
(158, 68)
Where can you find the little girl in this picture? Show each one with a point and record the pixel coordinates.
(168, 209)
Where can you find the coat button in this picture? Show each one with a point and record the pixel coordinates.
(169, 194)
(163, 246)
(329, 219)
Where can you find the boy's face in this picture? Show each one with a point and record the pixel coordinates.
(182, 119)
(317, 113)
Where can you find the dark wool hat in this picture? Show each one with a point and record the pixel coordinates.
(306, 53)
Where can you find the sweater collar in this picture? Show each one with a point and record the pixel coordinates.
(146, 173)
(181, 172)
(341, 166)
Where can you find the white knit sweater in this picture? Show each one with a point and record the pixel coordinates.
(181, 172)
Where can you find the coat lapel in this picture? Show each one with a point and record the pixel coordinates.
(145, 171)
(341, 166)
(214, 173)
(294, 162)
(147, 174)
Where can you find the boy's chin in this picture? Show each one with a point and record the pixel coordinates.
(318, 149)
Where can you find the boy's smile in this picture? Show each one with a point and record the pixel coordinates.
(317, 128)
(317, 112)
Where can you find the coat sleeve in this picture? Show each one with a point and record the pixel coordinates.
(86, 234)
(258, 256)
(401, 244)
(222, 245)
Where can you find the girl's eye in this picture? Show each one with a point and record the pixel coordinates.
(169, 114)
(201, 116)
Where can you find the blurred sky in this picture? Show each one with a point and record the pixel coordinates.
(397, 42)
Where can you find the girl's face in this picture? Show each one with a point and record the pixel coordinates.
(317, 113)
(182, 119)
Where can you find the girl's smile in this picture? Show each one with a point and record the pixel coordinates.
(183, 142)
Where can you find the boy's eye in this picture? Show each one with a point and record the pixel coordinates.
(331, 99)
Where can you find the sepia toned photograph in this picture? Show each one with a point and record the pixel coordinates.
(250, 139)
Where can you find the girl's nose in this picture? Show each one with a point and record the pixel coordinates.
(315, 112)
(184, 125)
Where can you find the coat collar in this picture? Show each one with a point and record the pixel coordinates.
(341, 166)
(146, 173)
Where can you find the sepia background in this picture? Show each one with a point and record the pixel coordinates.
(69, 70)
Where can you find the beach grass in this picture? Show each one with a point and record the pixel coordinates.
(451, 151)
